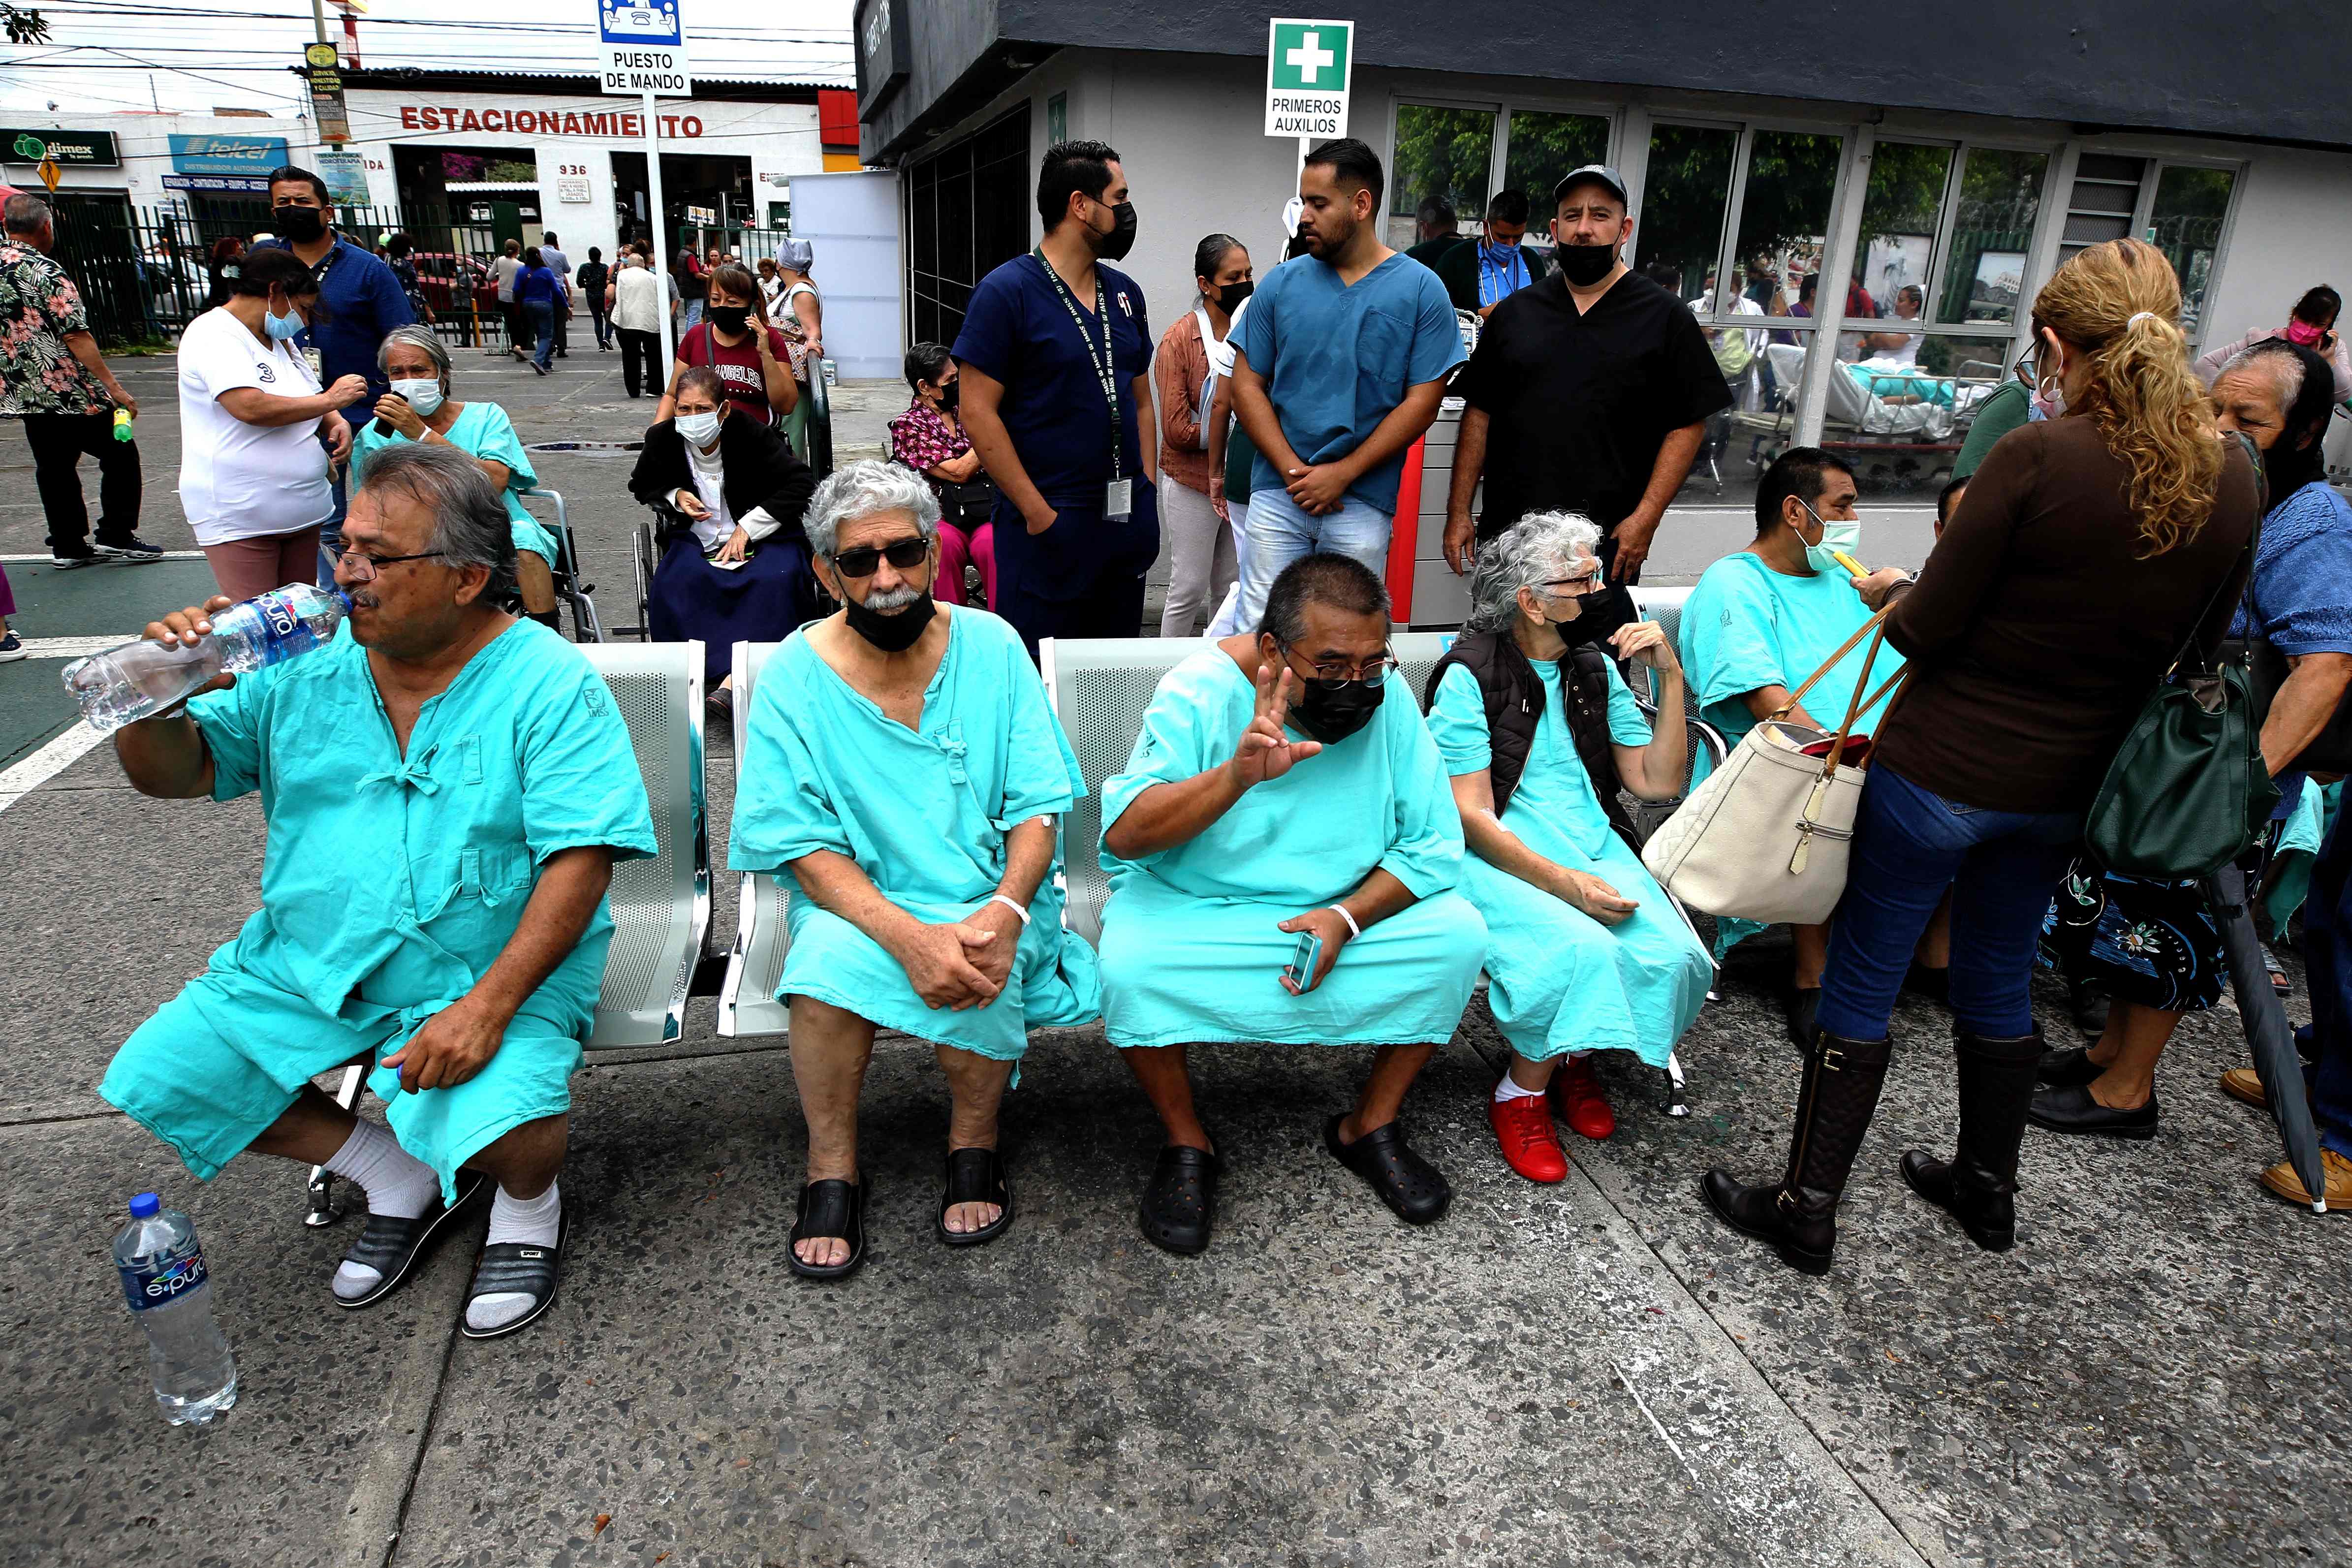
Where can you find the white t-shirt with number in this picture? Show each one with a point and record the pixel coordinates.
(239, 481)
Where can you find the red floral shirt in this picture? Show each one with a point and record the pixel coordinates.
(39, 308)
(921, 440)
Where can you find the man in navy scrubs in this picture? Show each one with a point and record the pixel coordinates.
(1055, 353)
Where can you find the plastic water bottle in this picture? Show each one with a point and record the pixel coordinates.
(171, 1294)
(145, 678)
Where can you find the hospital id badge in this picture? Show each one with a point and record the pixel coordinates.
(1119, 499)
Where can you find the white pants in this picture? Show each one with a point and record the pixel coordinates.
(1200, 556)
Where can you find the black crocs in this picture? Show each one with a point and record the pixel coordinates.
(1408, 1184)
(830, 1209)
(393, 1247)
(976, 1176)
(1180, 1199)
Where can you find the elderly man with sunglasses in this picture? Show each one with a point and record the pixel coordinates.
(446, 789)
(1283, 848)
(902, 766)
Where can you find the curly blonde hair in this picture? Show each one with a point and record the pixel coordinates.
(2119, 303)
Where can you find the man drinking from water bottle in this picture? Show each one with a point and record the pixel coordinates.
(446, 789)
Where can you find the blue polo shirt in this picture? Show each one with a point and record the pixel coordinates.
(1018, 331)
(1337, 358)
(363, 301)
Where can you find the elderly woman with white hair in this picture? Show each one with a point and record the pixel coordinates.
(1539, 734)
(903, 768)
(419, 408)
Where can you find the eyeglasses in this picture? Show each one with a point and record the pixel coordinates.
(903, 553)
(362, 567)
(1338, 672)
(1583, 587)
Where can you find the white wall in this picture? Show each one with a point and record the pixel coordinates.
(143, 143)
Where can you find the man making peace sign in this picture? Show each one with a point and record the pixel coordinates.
(1285, 802)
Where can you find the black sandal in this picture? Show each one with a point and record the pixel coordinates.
(976, 1176)
(1180, 1199)
(507, 1267)
(830, 1210)
(393, 1247)
(1409, 1184)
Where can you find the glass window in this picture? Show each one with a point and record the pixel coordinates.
(1442, 152)
(2185, 223)
(1541, 147)
(1900, 210)
(1784, 215)
(1678, 236)
(1900, 415)
(1992, 229)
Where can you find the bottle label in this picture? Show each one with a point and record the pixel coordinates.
(156, 1283)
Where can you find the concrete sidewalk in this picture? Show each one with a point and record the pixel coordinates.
(1591, 1373)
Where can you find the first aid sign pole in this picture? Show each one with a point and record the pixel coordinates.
(1309, 67)
(643, 46)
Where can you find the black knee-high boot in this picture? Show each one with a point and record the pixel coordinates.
(1798, 1215)
(1979, 1184)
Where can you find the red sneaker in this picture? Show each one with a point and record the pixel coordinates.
(1582, 1106)
(1523, 1127)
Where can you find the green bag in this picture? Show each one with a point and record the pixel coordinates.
(2187, 792)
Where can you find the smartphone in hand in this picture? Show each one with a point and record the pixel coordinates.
(1299, 973)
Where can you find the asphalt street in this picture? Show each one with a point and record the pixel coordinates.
(1586, 1374)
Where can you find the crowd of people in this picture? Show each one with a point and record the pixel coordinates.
(1299, 850)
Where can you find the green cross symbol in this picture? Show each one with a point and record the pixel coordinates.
(31, 148)
(1310, 57)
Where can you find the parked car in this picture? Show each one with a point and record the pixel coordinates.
(449, 279)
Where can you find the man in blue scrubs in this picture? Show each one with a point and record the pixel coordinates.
(1343, 357)
(1055, 351)
(363, 301)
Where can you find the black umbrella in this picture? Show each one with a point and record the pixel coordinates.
(2267, 1031)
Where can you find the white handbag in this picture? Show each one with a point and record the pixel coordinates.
(1766, 837)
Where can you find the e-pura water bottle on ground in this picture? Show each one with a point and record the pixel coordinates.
(142, 679)
(171, 1295)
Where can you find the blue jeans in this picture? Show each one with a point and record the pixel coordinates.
(693, 315)
(1909, 845)
(1279, 531)
(542, 327)
(2328, 960)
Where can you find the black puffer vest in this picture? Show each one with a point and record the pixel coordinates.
(1514, 695)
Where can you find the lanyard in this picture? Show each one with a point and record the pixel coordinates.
(1105, 363)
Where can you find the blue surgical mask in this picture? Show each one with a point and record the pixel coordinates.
(1500, 255)
(282, 328)
(1835, 536)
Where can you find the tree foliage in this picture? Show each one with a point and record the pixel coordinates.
(24, 25)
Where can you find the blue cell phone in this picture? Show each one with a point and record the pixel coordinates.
(1302, 960)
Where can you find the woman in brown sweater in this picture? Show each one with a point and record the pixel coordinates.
(2086, 550)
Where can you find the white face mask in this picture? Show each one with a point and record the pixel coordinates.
(423, 396)
(699, 428)
(1842, 535)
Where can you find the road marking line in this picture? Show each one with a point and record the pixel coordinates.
(74, 647)
(45, 764)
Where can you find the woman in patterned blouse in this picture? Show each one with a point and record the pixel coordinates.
(930, 439)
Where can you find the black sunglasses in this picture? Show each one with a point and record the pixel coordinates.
(903, 553)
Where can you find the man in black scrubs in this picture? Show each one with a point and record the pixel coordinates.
(1588, 392)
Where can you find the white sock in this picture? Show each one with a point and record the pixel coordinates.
(396, 1182)
(1509, 1089)
(534, 1222)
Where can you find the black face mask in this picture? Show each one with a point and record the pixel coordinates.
(730, 318)
(1114, 246)
(892, 631)
(949, 394)
(1603, 615)
(1330, 714)
(300, 225)
(1230, 297)
(1585, 265)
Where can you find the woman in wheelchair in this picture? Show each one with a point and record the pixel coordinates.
(728, 495)
(419, 408)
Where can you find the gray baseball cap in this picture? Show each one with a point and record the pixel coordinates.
(1592, 174)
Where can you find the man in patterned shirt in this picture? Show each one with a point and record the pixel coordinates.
(53, 378)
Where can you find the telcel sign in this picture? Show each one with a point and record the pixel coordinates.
(644, 47)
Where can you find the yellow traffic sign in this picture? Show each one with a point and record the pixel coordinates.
(50, 174)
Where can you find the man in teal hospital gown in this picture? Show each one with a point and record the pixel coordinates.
(1285, 787)
(446, 789)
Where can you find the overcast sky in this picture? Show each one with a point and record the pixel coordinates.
(197, 55)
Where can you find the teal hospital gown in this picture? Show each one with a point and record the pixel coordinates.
(1746, 626)
(924, 813)
(1189, 949)
(480, 430)
(389, 885)
(1559, 979)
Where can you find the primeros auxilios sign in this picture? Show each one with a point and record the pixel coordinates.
(644, 48)
(1308, 64)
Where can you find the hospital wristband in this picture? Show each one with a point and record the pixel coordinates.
(1353, 928)
(1008, 903)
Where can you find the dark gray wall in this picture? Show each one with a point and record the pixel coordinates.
(945, 38)
(2269, 68)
